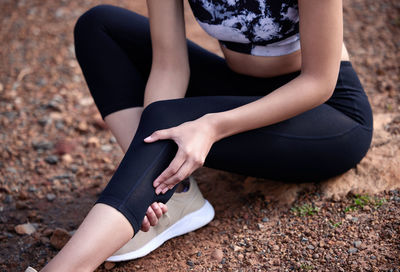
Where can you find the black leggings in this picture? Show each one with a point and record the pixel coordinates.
(113, 47)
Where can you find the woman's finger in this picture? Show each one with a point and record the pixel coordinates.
(158, 135)
(186, 169)
(157, 209)
(172, 168)
(151, 216)
(160, 188)
(145, 224)
(163, 207)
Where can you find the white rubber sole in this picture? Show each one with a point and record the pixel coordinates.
(188, 223)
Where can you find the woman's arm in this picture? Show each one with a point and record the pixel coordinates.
(321, 32)
(169, 74)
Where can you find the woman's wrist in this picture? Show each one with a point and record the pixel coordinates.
(214, 123)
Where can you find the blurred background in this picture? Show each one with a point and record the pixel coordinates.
(56, 155)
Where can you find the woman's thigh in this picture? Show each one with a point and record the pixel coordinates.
(317, 144)
(113, 47)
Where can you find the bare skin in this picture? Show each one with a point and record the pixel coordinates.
(105, 230)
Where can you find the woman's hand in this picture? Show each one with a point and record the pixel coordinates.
(153, 214)
(194, 140)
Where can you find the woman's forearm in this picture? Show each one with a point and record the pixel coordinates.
(295, 97)
(166, 84)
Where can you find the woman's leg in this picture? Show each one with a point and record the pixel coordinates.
(103, 231)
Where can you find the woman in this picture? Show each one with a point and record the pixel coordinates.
(283, 104)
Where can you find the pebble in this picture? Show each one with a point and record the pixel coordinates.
(106, 148)
(109, 265)
(217, 255)
(354, 219)
(237, 248)
(189, 263)
(52, 159)
(21, 205)
(45, 121)
(93, 142)
(50, 197)
(59, 238)
(64, 147)
(67, 158)
(199, 254)
(304, 239)
(352, 250)
(8, 199)
(27, 228)
(82, 126)
(310, 247)
(275, 248)
(357, 244)
(42, 145)
(265, 219)
(366, 208)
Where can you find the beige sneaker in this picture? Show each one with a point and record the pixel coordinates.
(187, 211)
(30, 269)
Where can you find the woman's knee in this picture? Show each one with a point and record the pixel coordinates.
(166, 113)
(91, 19)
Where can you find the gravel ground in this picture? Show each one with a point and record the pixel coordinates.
(56, 155)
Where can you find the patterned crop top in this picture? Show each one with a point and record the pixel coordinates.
(256, 27)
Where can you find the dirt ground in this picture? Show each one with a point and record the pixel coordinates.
(56, 155)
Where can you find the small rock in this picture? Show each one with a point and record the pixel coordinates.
(357, 244)
(366, 208)
(59, 238)
(27, 228)
(310, 247)
(265, 219)
(44, 240)
(50, 197)
(1, 87)
(275, 248)
(189, 263)
(21, 205)
(199, 254)
(354, 219)
(352, 250)
(106, 148)
(45, 121)
(217, 255)
(109, 265)
(8, 199)
(315, 256)
(304, 239)
(237, 248)
(67, 158)
(40, 146)
(52, 159)
(64, 147)
(82, 126)
(47, 232)
(93, 142)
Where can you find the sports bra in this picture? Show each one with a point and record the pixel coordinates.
(256, 27)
